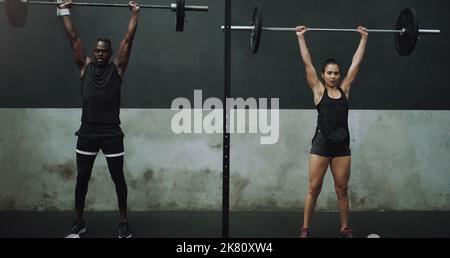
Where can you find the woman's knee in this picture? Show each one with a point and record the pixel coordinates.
(341, 190)
(314, 189)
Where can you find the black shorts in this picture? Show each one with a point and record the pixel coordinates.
(322, 148)
(111, 146)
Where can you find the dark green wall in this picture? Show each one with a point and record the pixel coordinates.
(37, 68)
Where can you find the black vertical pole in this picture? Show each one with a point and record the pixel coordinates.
(226, 122)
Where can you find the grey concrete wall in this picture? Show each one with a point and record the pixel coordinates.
(400, 162)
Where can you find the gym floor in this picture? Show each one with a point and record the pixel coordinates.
(242, 224)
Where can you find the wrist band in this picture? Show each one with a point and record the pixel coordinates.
(62, 12)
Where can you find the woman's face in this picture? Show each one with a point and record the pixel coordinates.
(331, 75)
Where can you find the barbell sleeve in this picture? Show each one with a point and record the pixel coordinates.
(428, 31)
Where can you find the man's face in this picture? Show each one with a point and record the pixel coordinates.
(102, 53)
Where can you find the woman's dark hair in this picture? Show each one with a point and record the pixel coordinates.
(330, 61)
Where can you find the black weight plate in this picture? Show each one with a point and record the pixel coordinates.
(406, 42)
(255, 36)
(17, 12)
(180, 15)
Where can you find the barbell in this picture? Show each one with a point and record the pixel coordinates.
(17, 10)
(406, 30)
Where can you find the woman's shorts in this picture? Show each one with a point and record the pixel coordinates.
(322, 148)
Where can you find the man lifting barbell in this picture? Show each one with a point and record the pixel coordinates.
(100, 128)
(331, 142)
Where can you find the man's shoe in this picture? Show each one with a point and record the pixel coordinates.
(76, 230)
(124, 230)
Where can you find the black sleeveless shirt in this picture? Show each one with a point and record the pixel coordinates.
(332, 119)
(100, 92)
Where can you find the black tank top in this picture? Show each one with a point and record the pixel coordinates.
(100, 92)
(332, 119)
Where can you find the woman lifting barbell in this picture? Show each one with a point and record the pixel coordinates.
(331, 142)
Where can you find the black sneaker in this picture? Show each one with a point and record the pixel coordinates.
(124, 230)
(76, 230)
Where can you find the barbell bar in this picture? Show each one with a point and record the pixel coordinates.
(247, 28)
(17, 10)
(406, 32)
